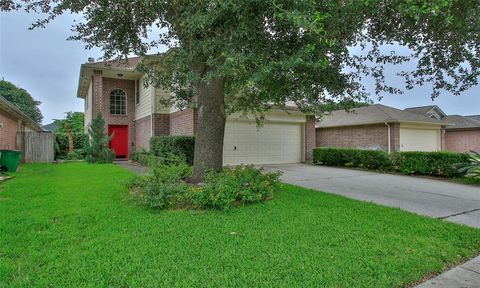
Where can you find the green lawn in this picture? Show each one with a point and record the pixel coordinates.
(69, 225)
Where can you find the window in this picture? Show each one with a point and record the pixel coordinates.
(118, 102)
(137, 92)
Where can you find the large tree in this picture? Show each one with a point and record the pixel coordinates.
(22, 100)
(248, 56)
(71, 124)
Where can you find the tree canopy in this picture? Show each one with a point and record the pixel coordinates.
(248, 56)
(22, 100)
(72, 119)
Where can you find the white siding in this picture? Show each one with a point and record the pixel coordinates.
(88, 107)
(159, 107)
(144, 107)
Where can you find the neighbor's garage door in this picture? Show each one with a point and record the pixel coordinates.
(273, 143)
(419, 139)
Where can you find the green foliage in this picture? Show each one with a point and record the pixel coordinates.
(370, 159)
(271, 52)
(148, 159)
(441, 164)
(22, 100)
(77, 154)
(168, 187)
(166, 146)
(235, 186)
(75, 120)
(96, 149)
(329, 106)
(471, 167)
(61, 144)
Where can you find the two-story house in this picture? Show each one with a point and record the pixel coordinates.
(134, 114)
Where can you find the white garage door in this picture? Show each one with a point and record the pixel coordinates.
(273, 143)
(419, 139)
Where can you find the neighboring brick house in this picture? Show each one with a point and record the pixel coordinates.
(380, 127)
(12, 121)
(134, 114)
(463, 133)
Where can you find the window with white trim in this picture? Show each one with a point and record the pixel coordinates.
(118, 102)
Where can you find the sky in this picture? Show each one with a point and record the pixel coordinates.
(44, 63)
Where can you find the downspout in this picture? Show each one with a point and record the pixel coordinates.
(389, 141)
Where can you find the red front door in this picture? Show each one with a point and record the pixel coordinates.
(119, 141)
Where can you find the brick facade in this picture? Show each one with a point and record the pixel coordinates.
(310, 137)
(97, 96)
(361, 137)
(183, 122)
(8, 133)
(102, 87)
(140, 131)
(394, 137)
(161, 124)
(462, 140)
(143, 132)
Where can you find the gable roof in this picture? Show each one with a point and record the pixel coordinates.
(52, 127)
(374, 114)
(424, 110)
(12, 110)
(461, 122)
(474, 117)
(128, 64)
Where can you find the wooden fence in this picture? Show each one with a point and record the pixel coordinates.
(36, 146)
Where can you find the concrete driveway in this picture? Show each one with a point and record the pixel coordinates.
(453, 202)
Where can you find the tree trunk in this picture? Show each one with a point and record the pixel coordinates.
(211, 128)
(70, 139)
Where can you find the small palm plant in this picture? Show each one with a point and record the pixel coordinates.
(472, 167)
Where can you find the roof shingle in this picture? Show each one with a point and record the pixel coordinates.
(374, 114)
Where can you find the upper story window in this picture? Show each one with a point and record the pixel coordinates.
(137, 92)
(118, 102)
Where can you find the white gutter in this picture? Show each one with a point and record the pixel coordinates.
(389, 140)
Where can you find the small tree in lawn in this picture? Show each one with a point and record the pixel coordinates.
(97, 150)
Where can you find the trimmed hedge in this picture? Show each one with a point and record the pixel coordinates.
(428, 163)
(441, 164)
(370, 159)
(166, 146)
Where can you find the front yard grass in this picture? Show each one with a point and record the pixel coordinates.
(69, 225)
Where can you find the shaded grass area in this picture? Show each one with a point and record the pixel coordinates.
(467, 181)
(69, 225)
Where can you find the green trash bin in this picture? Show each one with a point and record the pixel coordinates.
(9, 160)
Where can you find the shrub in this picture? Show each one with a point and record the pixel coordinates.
(166, 146)
(472, 167)
(168, 188)
(428, 163)
(61, 144)
(77, 154)
(236, 186)
(96, 149)
(165, 188)
(370, 159)
(147, 159)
